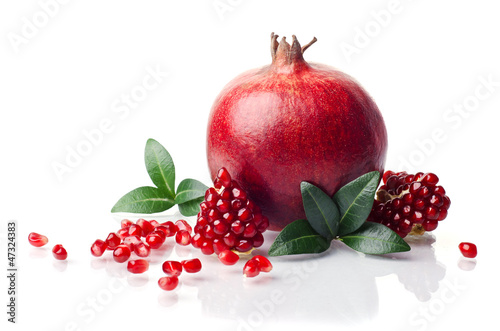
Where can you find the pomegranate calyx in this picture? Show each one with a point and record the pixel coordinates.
(283, 54)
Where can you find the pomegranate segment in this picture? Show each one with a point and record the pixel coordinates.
(288, 122)
(410, 204)
(228, 219)
(37, 240)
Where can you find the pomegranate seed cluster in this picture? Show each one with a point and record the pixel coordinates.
(410, 204)
(228, 220)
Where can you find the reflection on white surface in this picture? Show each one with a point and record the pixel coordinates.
(336, 286)
(466, 264)
(60, 266)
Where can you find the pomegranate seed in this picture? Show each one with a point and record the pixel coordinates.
(154, 240)
(238, 227)
(430, 225)
(169, 228)
(244, 214)
(125, 223)
(239, 194)
(113, 240)
(230, 239)
(172, 268)
(264, 264)
(228, 257)
(219, 246)
(183, 238)
(131, 241)
(183, 225)
(168, 283)
(122, 233)
(160, 233)
(250, 230)
(251, 268)
(244, 245)
(468, 249)
(37, 240)
(147, 228)
(213, 215)
(223, 205)
(98, 247)
(430, 179)
(207, 247)
(197, 240)
(142, 249)
(220, 227)
(135, 230)
(121, 253)
(224, 177)
(59, 252)
(191, 266)
(258, 240)
(209, 231)
(137, 266)
(154, 223)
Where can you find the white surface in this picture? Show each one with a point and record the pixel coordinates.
(68, 77)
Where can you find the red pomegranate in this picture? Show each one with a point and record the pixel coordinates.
(293, 121)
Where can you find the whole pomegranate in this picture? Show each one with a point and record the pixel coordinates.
(293, 121)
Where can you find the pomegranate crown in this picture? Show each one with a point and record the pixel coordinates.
(283, 53)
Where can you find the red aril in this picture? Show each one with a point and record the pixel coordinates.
(170, 228)
(168, 283)
(172, 268)
(121, 253)
(59, 252)
(292, 121)
(468, 250)
(98, 247)
(183, 225)
(264, 264)
(37, 240)
(142, 249)
(154, 240)
(146, 226)
(251, 268)
(182, 237)
(191, 266)
(131, 241)
(137, 266)
(113, 240)
(125, 223)
(228, 257)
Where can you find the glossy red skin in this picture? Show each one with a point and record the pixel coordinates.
(276, 126)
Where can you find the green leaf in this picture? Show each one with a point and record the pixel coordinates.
(298, 238)
(375, 238)
(355, 201)
(143, 200)
(321, 211)
(160, 167)
(191, 207)
(190, 189)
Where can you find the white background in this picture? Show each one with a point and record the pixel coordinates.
(65, 67)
